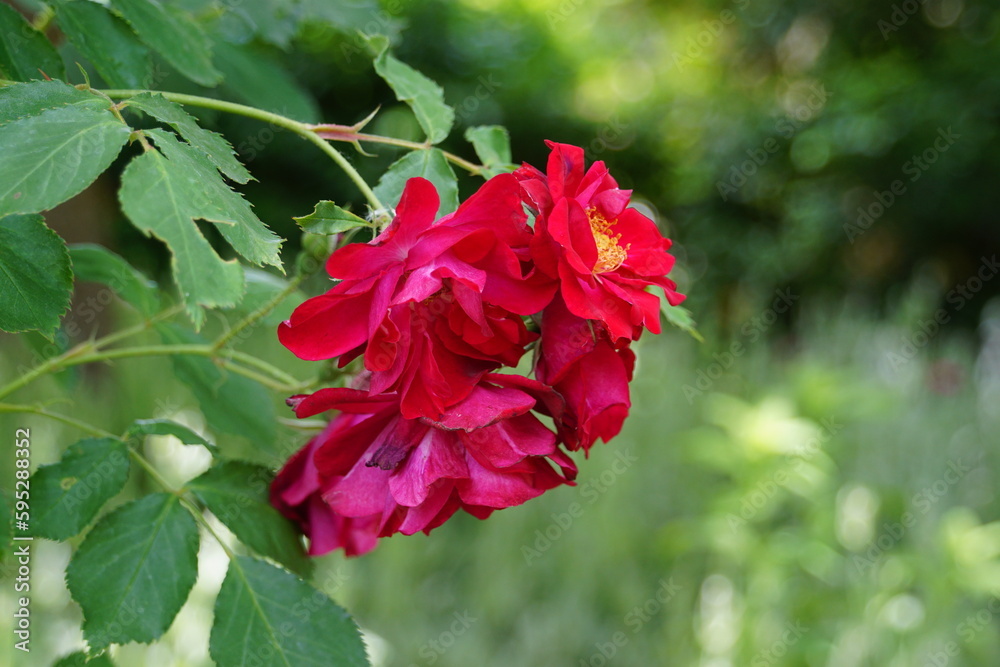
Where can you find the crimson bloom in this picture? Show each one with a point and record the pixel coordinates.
(590, 373)
(432, 306)
(603, 253)
(372, 473)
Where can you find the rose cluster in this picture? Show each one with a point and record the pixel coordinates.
(435, 309)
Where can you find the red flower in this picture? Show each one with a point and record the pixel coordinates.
(578, 359)
(433, 306)
(604, 254)
(373, 473)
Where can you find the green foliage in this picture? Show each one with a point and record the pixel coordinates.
(35, 275)
(97, 264)
(231, 403)
(211, 144)
(21, 100)
(54, 155)
(173, 34)
(425, 97)
(237, 494)
(79, 659)
(328, 218)
(254, 77)
(492, 145)
(266, 616)
(143, 427)
(107, 42)
(66, 496)
(25, 54)
(134, 571)
(426, 163)
(6, 525)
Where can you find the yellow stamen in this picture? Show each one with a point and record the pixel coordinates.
(610, 255)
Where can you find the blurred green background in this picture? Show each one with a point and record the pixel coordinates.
(812, 485)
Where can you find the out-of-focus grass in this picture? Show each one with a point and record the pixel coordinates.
(816, 504)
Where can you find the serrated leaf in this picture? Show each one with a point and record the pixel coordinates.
(256, 622)
(79, 659)
(35, 276)
(230, 402)
(107, 42)
(134, 571)
(144, 427)
(236, 492)
(24, 52)
(22, 100)
(66, 496)
(163, 197)
(219, 203)
(50, 157)
(212, 144)
(259, 80)
(174, 35)
(422, 95)
(682, 319)
(97, 264)
(328, 218)
(492, 146)
(426, 163)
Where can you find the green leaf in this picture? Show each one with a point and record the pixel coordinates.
(230, 402)
(163, 195)
(274, 21)
(174, 35)
(22, 100)
(219, 203)
(50, 157)
(134, 571)
(66, 496)
(328, 218)
(237, 494)
(256, 622)
(107, 42)
(35, 276)
(427, 163)
(260, 81)
(492, 145)
(24, 52)
(681, 318)
(212, 144)
(425, 97)
(144, 427)
(97, 264)
(79, 659)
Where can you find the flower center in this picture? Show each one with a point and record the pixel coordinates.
(610, 255)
